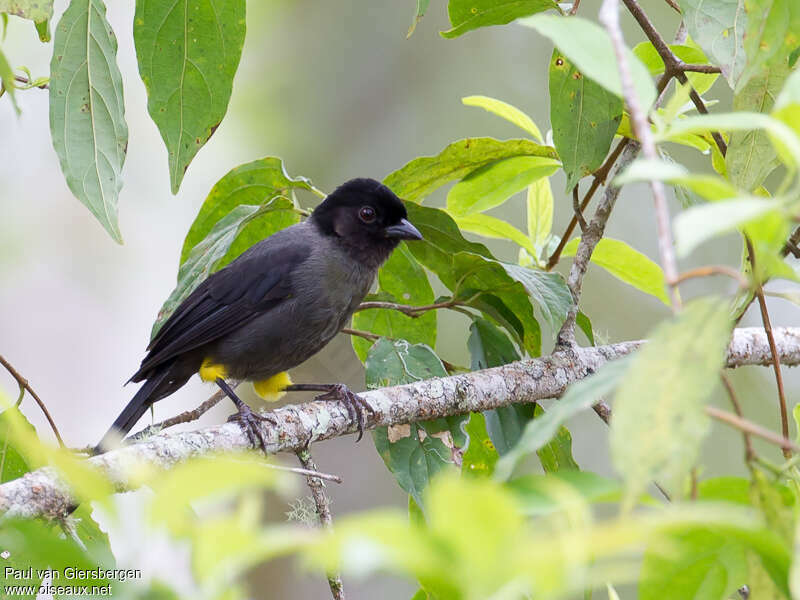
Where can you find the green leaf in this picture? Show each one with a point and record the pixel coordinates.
(422, 7)
(589, 48)
(751, 156)
(207, 256)
(701, 82)
(87, 111)
(787, 105)
(584, 116)
(249, 184)
(506, 111)
(35, 10)
(466, 15)
(404, 281)
(659, 421)
(705, 221)
(556, 455)
(626, 264)
(710, 187)
(423, 175)
(579, 396)
(718, 26)
(94, 539)
(540, 494)
(13, 462)
(540, 213)
(492, 227)
(493, 184)
(409, 451)
(698, 564)
(548, 289)
(480, 455)
(771, 35)
(7, 80)
(188, 53)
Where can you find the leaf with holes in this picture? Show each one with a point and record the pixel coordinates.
(467, 15)
(87, 111)
(188, 53)
(423, 175)
(585, 117)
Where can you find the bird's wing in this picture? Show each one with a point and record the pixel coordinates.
(249, 286)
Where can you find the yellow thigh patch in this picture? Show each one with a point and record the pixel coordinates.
(210, 371)
(271, 389)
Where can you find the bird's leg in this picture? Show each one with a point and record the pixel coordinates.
(354, 403)
(246, 418)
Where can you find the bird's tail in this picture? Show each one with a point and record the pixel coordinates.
(152, 390)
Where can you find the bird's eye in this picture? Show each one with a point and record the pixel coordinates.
(367, 214)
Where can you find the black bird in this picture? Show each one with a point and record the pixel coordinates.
(275, 306)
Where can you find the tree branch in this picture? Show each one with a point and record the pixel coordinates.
(42, 493)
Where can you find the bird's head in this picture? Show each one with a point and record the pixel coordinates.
(366, 217)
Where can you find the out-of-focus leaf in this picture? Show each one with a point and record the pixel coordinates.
(540, 213)
(589, 48)
(666, 388)
(548, 289)
(480, 456)
(13, 462)
(585, 117)
(404, 281)
(422, 7)
(705, 221)
(751, 156)
(35, 10)
(87, 110)
(626, 264)
(701, 82)
(787, 105)
(771, 35)
(556, 455)
(188, 53)
(409, 451)
(252, 183)
(493, 184)
(579, 396)
(719, 28)
(206, 256)
(539, 494)
(466, 15)
(710, 187)
(7, 80)
(421, 176)
(92, 536)
(696, 564)
(492, 227)
(506, 111)
(725, 489)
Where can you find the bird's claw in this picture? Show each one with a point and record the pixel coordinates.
(250, 422)
(355, 404)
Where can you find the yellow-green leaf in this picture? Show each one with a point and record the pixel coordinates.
(506, 111)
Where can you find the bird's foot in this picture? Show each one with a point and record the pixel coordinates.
(356, 405)
(250, 422)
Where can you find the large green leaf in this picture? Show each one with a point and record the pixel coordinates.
(492, 227)
(548, 289)
(207, 256)
(39, 11)
(251, 183)
(697, 564)
(659, 421)
(589, 48)
(423, 175)
(87, 111)
(719, 27)
(404, 281)
(506, 111)
(751, 156)
(493, 184)
(188, 53)
(410, 452)
(584, 116)
(626, 264)
(579, 397)
(701, 82)
(773, 32)
(13, 462)
(466, 15)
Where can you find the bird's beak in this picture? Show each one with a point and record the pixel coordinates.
(402, 231)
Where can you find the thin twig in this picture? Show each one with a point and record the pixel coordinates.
(184, 417)
(26, 81)
(24, 385)
(714, 270)
(323, 506)
(574, 10)
(749, 453)
(408, 309)
(609, 16)
(359, 333)
(674, 5)
(744, 425)
(776, 360)
(792, 244)
(576, 209)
